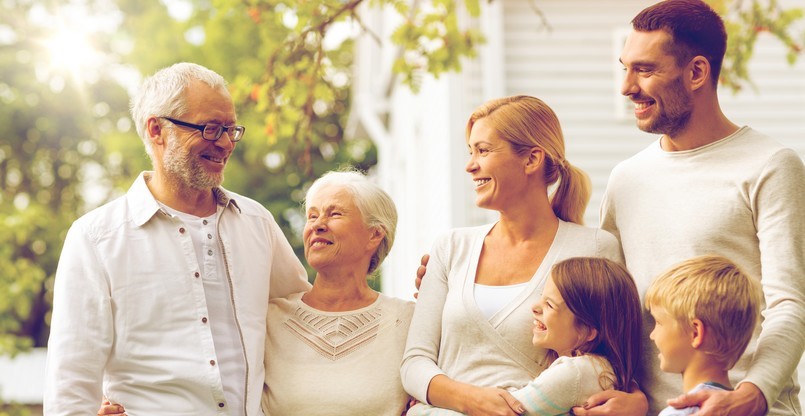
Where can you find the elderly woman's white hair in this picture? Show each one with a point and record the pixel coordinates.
(162, 94)
(375, 205)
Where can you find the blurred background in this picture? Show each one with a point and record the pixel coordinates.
(382, 85)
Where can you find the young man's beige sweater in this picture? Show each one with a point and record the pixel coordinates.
(742, 197)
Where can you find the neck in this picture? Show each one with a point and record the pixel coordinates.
(704, 127)
(340, 292)
(533, 225)
(703, 368)
(529, 218)
(198, 202)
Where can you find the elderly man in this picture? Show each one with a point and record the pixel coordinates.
(161, 296)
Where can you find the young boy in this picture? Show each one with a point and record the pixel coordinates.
(705, 311)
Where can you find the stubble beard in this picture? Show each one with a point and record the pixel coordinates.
(188, 170)
(675, 114)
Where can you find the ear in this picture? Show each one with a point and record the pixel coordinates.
(699, 72)
(378, 234)
(591, 334)
(154, 131)
(697, 333)
(536, 157)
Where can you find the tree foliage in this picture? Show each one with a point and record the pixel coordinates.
(49, 151)
(745, 21)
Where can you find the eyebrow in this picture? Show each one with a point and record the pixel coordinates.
(553, 301)
(647, 64)
(329, 207)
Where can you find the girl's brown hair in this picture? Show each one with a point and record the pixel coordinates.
(527, 122)
(602, 295)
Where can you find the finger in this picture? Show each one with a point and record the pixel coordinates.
(425, 259)
(689, 400)
(598, 399)
(579, 411)
(513, 403)
(112, 409)
(420, 272)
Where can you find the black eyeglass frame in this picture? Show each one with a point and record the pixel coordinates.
(235, 132)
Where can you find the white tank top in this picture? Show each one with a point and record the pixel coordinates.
(491, 299)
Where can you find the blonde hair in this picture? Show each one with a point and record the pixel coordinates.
(526, 122)
(717, 292)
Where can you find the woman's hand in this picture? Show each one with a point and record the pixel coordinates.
(614, 402)
(108, 408)
(747, 399)
(472, 400)
(492, 402)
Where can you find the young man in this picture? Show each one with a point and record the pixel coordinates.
(709, 186)
(161, 296)
(705, 310)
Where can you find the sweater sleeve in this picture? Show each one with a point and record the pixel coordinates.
(554, 391)
(419, 364)
(422, 409)
(778, 203)
(81, 331)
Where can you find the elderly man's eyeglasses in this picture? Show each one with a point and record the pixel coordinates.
(212, 132)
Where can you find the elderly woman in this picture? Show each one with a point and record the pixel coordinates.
(336, 349)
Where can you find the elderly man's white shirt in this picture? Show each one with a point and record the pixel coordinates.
(129, 308)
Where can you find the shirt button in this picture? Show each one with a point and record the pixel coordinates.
(205, 222)
(221, 404)
(204, 319)
(181, 230)
(209, 236)
(209, 252)
(212, 362)
(196, 274)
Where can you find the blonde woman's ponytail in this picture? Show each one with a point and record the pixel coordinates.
(572, 194)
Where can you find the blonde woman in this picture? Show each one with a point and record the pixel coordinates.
(470, 339)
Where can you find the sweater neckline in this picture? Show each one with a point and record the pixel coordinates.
(701, 149)
(305, 306)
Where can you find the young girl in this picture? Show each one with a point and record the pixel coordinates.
(589, 318)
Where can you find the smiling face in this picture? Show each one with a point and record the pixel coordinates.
(555, 325)
(671, 340)
(336, 234)
(497, 171)
(655, 83)
(189, 159)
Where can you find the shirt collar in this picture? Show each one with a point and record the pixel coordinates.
(144, 206)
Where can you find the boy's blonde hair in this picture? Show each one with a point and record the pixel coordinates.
(717, 292)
